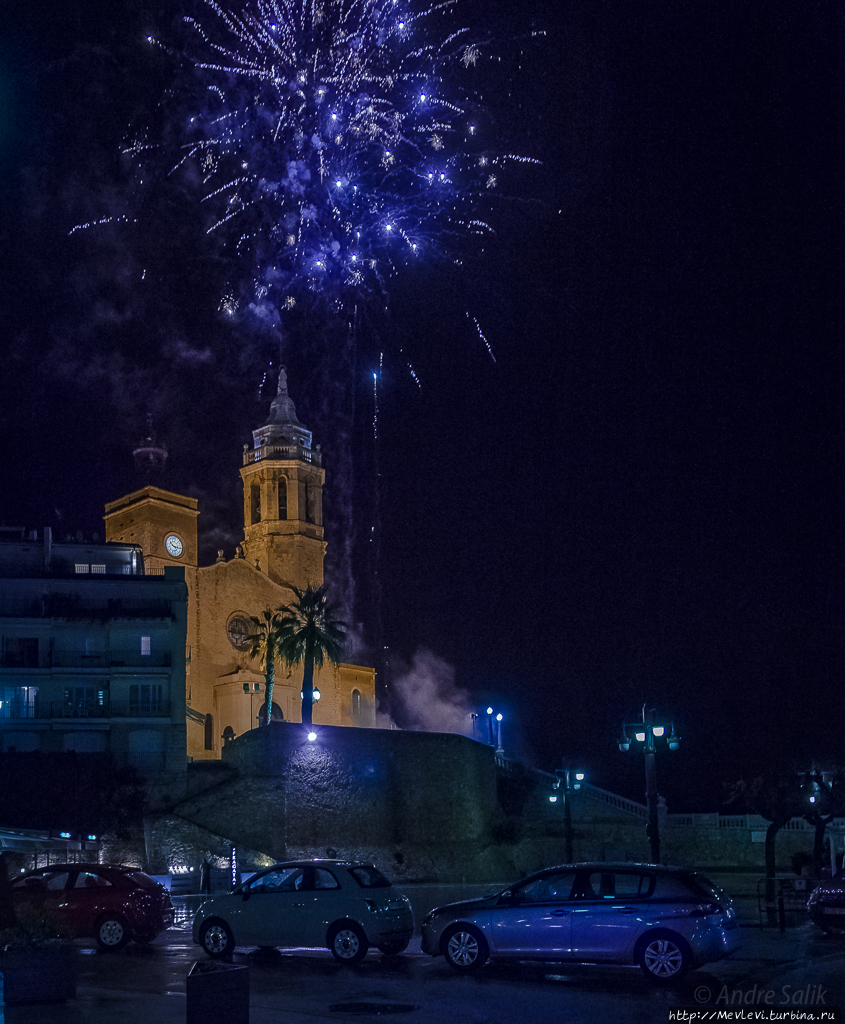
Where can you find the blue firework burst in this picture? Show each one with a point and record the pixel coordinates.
(336, 143)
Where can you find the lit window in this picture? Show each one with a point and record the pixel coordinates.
(356, 703)
(81, 568)
(98, 568)
(145, 645)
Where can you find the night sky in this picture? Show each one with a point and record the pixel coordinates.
(639, 500)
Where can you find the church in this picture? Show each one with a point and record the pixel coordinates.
(283, 548)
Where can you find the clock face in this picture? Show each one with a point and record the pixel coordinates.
(173, 545)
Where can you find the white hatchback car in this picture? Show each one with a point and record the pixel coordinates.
(342, 905)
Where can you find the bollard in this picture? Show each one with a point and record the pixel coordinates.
(217, 993)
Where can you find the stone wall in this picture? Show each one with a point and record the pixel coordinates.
(423, 806)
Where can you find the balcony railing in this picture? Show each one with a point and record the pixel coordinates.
(78, 659)
(71, 606)
(283, 451)
(41, 709)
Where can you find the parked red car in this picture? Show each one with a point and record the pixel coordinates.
(106, 902)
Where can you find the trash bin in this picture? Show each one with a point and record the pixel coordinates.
(217, 993)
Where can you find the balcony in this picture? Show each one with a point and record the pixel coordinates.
(41, 710)
(71, 606)
(94, 660)
(283, 451)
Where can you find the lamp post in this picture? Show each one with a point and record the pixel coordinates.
(251, 688)
(645, 732)
(495, 735)
(474, 718)
(818, 785)
(568, 780)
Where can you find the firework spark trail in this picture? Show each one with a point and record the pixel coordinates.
(334, 144)
(482, 336)
(101, 221)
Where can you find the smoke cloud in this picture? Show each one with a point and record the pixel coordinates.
(425, 697)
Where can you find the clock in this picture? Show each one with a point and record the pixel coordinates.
(173, 545)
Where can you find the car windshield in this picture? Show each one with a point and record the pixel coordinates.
(369, 877)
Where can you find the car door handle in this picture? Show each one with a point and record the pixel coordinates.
(627, 910)
(559, 913)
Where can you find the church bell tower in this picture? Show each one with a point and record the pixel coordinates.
(283, 497)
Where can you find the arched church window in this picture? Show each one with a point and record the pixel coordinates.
(254, 504)
(209, 732)
(277, 714)
(283, 498)
(356, 703)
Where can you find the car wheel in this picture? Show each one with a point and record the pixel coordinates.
(663, 956)
(348, 942)
(111, 932)
(394, 948)
(216, 938)
(465, 948)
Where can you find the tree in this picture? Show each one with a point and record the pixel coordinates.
(775, 796)
(783, 793)
(264, 646)
(310, 634)
(824, 801)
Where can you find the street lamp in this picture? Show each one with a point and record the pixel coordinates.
(644, 732)
(568, 780)
(251, 688)
(495, 737)
(819, 786)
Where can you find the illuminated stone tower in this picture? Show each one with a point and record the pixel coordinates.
(283, 498)
(162, 524)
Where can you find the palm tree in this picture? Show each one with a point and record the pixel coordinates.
(264, 644)
(310, 634)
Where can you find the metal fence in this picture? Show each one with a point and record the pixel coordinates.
(782, 902)
(71, 606)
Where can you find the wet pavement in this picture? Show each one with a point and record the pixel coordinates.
(147, 985)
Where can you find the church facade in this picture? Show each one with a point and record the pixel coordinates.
(283, 548)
